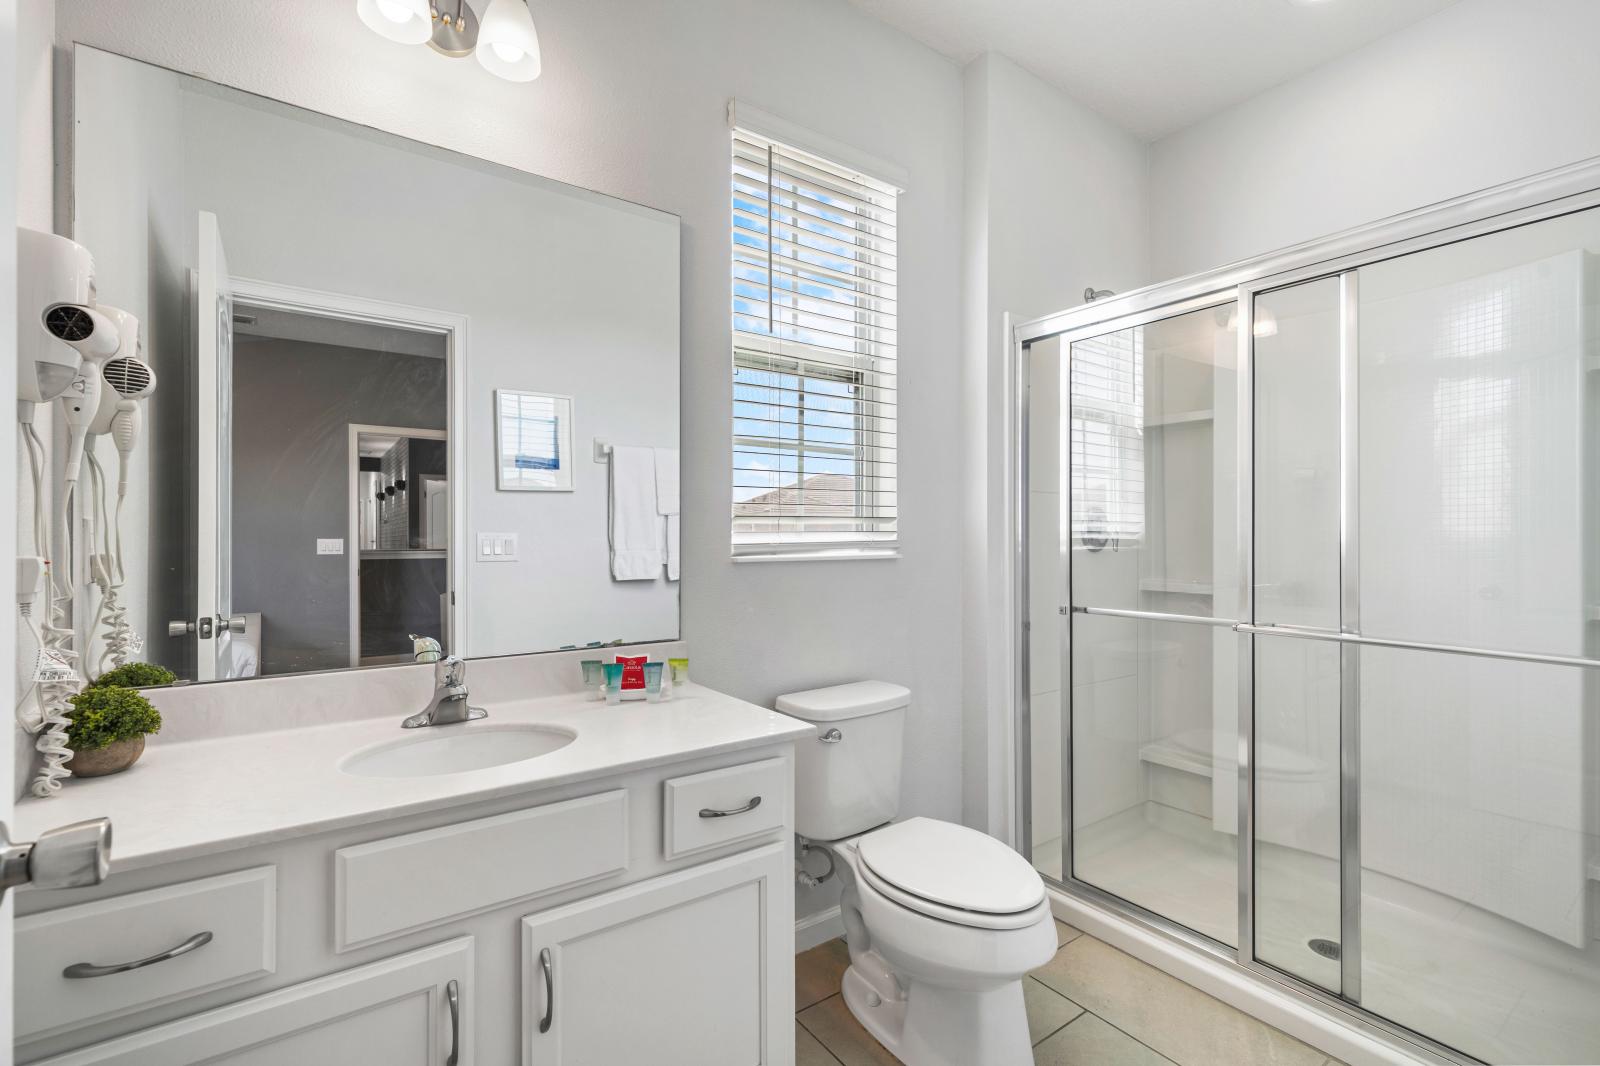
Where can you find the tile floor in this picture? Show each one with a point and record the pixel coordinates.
(1091, 1005)
(1475, 980)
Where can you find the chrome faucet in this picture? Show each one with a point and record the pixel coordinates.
(449, 703)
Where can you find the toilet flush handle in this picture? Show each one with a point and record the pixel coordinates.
(832, 736)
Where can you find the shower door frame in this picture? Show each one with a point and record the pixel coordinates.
(1539, 198)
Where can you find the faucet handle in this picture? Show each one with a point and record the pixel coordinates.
(450, 672)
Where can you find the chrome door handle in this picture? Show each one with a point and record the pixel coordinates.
(549, 990)
(80, 970)
(452, 996)
(231, 624)
(712, 812)
(832, 736)
(71, 856)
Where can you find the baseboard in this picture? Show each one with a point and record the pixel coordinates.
(1325, 1028)
(818, 928)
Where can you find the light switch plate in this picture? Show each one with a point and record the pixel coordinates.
(497, 547)
(330, 545)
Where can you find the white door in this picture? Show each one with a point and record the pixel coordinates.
(411, 1010)
(214, 456)
(687, 969)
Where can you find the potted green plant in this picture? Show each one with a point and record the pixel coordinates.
(135, 675)
(107, 730)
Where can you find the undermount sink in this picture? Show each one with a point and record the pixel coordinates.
(456, 749)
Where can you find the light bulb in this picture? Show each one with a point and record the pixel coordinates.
(1266, 323)
(508, 44)
(402, 21)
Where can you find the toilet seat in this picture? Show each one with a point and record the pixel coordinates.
(951, 873)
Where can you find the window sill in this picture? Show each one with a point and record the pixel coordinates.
(822, 555)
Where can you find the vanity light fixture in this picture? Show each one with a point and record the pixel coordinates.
(505, 41)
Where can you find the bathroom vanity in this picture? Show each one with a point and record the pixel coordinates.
(626, 897)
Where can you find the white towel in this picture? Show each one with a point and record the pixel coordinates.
(636, 536)
(672, 547)
(667, 503)
(666, 480)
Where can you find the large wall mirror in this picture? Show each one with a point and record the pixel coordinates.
(366, 352)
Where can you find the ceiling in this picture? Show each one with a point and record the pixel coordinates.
(1154, 66)
(252, 321)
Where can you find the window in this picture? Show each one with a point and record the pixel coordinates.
(814, 396)
(1108, 439)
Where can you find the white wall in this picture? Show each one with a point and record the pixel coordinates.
(1054, 203)
(8, 447)
(34, 207)
(1484, 92)
(632, 103)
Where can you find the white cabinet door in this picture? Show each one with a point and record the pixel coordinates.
(694, 968)
(397, 1012)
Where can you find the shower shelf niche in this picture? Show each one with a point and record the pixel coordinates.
(1178, 418)
(1175, 586)
(1175, 755)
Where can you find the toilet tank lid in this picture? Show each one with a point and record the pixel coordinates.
(838, 702)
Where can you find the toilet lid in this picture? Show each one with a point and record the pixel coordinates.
(952, 866)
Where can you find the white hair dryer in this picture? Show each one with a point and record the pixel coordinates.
(125, 380)
(81, 403)
(56, 325)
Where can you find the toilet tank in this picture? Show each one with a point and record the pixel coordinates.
(847, 777)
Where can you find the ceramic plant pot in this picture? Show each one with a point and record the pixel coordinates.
(111, 759)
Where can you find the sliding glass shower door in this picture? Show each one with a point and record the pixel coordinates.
(1357, 553)
(1133, 496)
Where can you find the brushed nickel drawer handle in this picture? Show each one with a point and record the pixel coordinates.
(549, 990)
(452, 996)
(88, 969)
(712, 812)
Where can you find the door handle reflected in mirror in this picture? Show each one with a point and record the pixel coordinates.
(202, 628)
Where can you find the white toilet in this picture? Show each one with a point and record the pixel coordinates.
(943, 922)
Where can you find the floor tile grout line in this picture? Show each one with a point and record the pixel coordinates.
(816, 1035)
(1130, 1036)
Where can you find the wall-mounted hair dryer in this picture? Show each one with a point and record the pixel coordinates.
(80, 404)
(56, 321)
(125, 379)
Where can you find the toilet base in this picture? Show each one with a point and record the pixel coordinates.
(931, 1026)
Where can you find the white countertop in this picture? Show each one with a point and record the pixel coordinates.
(181, 800)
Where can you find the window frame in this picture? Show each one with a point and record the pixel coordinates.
(865, 362)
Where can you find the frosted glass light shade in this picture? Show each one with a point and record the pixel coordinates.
(508, 45)
(402, 21)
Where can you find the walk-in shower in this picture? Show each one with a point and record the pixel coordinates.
(1311, 601)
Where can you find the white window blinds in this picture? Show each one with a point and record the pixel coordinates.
(814, 397)
(1107, 389)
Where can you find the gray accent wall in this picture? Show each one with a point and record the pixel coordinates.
(293, 405)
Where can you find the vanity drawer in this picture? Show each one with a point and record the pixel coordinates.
(720, 806)
(410, 882)
(237, 910)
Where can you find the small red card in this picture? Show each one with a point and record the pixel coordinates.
(633, 670)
